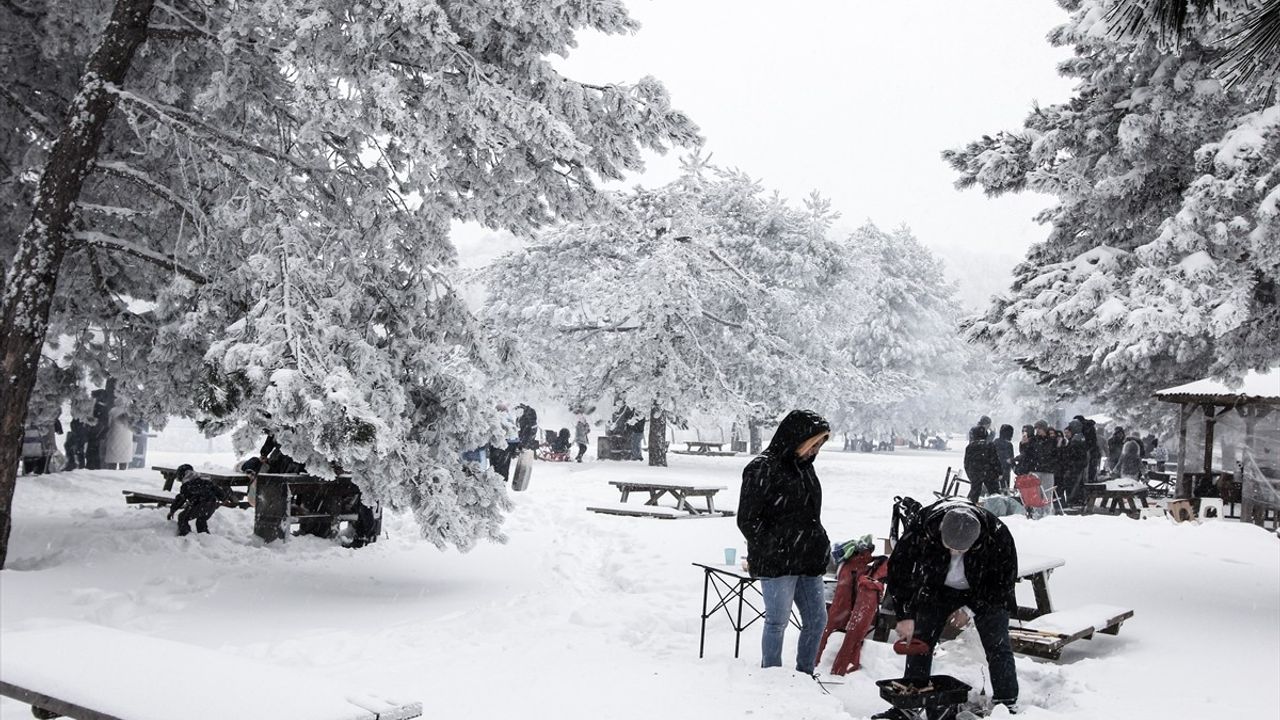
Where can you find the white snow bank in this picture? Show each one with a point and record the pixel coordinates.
(584, 616)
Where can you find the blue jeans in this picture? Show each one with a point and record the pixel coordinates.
(779, 594)
(992, 624)
(636, 439)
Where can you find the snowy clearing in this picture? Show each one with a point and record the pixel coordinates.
(584, 615)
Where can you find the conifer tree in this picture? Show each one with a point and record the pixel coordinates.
(242, 215)
(1160, 265)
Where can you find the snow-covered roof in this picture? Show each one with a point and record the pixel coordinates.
(1254, 386)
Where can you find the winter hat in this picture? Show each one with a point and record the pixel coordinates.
(984, 421)
(960, 529)
(977, 432)
(1042, 425)
(183, 471)
(1076, 427)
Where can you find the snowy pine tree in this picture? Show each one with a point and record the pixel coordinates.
(1160, 265)
(243, 210)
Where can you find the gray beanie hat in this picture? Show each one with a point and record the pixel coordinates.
(960, 529)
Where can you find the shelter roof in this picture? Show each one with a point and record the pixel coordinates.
(1261, 387)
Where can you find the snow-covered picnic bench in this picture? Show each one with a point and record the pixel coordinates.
(679, 492)
(1048, 634)
(89, 672)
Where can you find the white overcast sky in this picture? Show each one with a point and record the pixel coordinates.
(853, 98)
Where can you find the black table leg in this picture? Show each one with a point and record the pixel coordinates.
(702, 635)
(737, 628)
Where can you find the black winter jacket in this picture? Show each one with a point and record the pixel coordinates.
(919, 563)
(780, 507)
(982, 463)
(197, 490)
(1041, 455)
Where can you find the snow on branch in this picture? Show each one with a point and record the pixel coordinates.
(37, 119)
(145, 181)
(195, 126)
(110, 242)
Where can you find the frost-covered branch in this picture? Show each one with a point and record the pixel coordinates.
(145, 181)
(37, 119)
(110, 242)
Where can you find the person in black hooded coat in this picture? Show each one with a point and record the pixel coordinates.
(779, 514)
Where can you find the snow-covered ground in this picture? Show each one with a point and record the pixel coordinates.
(584, 615)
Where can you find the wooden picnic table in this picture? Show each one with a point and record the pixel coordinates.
(679, 492)
(704, 447)
(1114, 497)
(1034, 568)
(229, 479)
(315, 503)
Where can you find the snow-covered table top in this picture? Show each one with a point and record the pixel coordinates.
(666, 486)
(1032, 564)
(1096, 616)
(139, 677)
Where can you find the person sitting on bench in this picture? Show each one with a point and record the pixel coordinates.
(955, 554)
(198, 499)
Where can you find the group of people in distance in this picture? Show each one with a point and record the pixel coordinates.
(954, 554)
(1064, 461)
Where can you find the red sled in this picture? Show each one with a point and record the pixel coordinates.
(859, 589)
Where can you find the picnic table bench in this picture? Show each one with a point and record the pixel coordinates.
(1114, 497)
(170, 474)
(318, 505)
(230, 479)
(1046, 635)
(1033, 568)
(702, 447)
(678, 492)
(89, 672)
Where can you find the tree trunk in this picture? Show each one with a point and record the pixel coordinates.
(753, 433)
(657, 439)
(30, 282)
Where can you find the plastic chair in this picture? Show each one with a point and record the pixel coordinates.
(1032, 494)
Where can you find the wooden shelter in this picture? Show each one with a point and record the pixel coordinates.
(1229, 435)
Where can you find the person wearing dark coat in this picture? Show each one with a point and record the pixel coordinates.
(956, 554)
(198, 499)
(77, 438)
(1091, 445)
(1075, 464)
(1004, 451)
(779, 514)
(1115, 444)
(981, 464)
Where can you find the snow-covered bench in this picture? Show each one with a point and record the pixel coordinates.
(89, 672)
(1048, 634)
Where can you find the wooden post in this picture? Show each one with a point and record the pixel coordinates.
(1210, 420)
(1182, 489)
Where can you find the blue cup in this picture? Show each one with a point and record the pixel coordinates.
(730, 555)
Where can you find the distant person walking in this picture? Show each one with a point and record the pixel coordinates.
(779, 514)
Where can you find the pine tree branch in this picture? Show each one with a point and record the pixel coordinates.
(195, 126)
(146, 182)
(110, 242)
(22, 12)
(38, 120)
